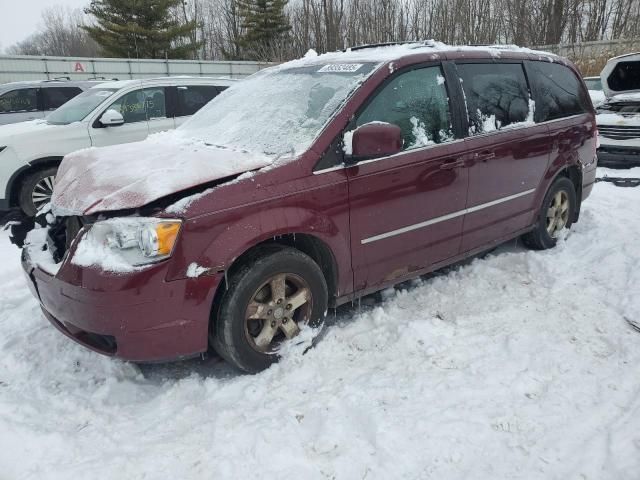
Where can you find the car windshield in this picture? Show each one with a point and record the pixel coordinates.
(278, 111)
(79, 107)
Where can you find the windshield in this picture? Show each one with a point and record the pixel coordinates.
(79, 107)
(277, 111)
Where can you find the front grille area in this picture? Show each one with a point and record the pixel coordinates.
(619, 132)
(63, 231)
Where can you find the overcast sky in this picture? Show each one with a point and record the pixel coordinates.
(20, 18)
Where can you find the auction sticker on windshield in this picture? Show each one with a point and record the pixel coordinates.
(341, 68)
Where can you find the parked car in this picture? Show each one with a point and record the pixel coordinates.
(306, 186)
(106, 114)
(619, 116)
(21, 101)
(594, 85)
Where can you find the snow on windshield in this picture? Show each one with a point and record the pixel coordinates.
(277, 111)
(79, 107)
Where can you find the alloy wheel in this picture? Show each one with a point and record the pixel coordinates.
(41, 194)
(558, 213)
(277, 310)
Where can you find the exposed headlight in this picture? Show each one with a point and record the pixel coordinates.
(138, 240)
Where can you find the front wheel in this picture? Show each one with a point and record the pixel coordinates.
(268, 300)
(36, 190)
(557, 213)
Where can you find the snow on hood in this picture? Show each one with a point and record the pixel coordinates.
(30, 128)
(132, 175)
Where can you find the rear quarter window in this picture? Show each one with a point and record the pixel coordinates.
(559, 92)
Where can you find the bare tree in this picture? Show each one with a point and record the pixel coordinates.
(60, 34)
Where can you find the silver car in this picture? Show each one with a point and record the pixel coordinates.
(21, 101)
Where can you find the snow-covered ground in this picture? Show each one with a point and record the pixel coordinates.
(516, 365)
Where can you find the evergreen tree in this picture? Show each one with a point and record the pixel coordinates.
(140, 29)
(265, 25)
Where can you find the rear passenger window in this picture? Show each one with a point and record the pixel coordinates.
(497, 95)
(193, 98)
(58, 96)
(560, 92)
(24, 100)
(417, 102)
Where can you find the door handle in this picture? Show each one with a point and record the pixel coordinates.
(484, 156)
(452, 164)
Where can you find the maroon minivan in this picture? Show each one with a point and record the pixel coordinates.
(306, 186)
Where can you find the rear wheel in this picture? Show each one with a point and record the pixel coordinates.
(557, 213)
(268, 300)
(36, 190)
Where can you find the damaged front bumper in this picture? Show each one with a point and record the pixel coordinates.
(137, 316)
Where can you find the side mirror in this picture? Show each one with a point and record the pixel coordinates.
(111, 118)
(376, 139)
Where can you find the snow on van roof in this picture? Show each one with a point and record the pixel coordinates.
(391, 52)
(178, 79)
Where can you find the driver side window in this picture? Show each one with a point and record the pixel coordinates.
(417, 102)
(141, 105)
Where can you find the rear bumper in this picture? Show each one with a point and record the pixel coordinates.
(137, 317)
(615, 156)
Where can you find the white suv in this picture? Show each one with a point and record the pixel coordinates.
(22, 101)
(618, 117)
(106, 114)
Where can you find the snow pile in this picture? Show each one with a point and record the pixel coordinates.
(519, 365)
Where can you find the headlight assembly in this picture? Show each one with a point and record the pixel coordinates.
(137, 240)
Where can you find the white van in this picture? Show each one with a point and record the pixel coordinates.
(618, 117)
(22, 101)
(106, 114)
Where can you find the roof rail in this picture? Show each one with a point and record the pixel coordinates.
(503, 46)
(417, 43)
(102, 78)
(58, 79)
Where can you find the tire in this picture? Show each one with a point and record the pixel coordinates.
(241, 339)
(544, 235)
(36, 190)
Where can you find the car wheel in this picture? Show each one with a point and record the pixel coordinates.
(267, 301)
(36, 190)
(557, 213)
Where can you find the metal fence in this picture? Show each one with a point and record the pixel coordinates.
(595, 48)
(591, 57)
(25, 67)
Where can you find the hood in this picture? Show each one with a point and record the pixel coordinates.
(29, 128)
(132, 175)
(621, 75)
